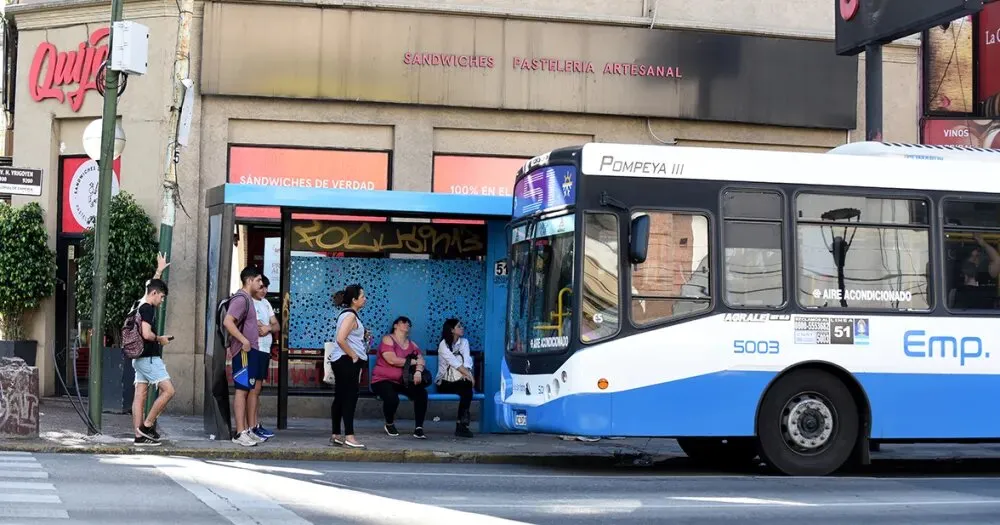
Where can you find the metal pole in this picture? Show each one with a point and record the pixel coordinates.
(873, 92)
(101, 229)
(182, 66)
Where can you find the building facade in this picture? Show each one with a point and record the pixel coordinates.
(445, 96)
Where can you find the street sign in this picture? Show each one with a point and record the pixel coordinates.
(861, 23)
(21, 181)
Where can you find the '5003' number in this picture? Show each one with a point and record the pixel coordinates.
(755, 347)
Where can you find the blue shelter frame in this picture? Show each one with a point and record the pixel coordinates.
(222, 201)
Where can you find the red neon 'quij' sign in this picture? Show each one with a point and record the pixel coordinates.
(65, 68)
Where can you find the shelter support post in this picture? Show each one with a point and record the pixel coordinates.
(286, 283)
(496, 324)
(216, 414)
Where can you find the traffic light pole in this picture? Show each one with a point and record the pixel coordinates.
(873, 92)
(102, 226)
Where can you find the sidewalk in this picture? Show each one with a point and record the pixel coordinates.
(306, 438)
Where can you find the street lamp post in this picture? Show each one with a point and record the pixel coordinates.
(101, 227)
(840, 244)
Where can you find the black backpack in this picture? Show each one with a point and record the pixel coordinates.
(222, 310)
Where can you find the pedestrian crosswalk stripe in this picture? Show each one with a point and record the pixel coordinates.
(14, 453)
(25, 459)
(7, 511)
(25, 485)
(19, 465)
(24, 474)
(21, 497)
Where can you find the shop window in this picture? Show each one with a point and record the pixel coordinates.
(972, 261)
(601, 307)
(863, 252)
(754, 272)
(674, 280)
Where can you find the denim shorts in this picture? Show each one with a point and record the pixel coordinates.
(150, 370)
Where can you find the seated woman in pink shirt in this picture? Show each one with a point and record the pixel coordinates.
(388, 381)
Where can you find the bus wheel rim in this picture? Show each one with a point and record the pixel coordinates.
(808, 423)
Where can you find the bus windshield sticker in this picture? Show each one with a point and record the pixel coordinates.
(545, 189)
(832, 330)
(881, 296)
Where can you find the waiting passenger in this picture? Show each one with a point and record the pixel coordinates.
(348, 358)
(399, 369)
(455, 372)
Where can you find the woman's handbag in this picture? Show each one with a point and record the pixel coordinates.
(410, 368)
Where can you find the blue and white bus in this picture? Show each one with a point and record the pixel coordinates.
(795, 306)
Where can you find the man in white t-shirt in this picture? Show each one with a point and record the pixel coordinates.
(268, 325)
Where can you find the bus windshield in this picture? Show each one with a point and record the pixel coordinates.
(541, 283)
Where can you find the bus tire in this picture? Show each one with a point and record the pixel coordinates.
(719, 452)
(807, 424)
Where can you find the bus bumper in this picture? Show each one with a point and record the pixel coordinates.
(580, 415)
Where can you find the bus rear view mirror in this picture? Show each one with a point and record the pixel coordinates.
(638, 246)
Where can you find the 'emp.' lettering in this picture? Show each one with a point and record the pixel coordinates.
(916, 344)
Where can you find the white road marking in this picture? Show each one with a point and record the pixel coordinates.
(29, 498)
(25, 485)
(585, 504)
(742, 501)
(32, 512)
(6, 459)
(230, 490)
(827, 479)
(14, 453)
(19, 465)
(24, 474)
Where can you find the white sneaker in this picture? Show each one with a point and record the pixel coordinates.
(244, 440)
(253, 435)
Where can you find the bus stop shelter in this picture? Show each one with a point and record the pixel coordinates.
(440, 237)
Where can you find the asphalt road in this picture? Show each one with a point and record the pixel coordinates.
(59, 489)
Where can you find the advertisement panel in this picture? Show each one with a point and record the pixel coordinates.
(961, 132)
(305, 168)
(466, 175)
(989, 60)
(949, 68)
(79, 192)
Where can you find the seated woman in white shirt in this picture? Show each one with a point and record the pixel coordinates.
(455, 372)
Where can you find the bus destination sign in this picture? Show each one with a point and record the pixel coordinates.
(545, 189)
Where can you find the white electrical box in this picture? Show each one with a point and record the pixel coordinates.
(130, 42)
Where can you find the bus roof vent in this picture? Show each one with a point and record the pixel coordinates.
(917, 151)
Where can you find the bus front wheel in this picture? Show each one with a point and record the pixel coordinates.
(718, 452)
(807, 424)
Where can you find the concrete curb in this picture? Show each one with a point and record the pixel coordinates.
(617, 459)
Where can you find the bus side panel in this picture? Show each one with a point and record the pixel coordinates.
(717, 404)
(933, 406)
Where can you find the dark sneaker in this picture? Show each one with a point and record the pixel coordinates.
(154, 433)
(263, 432)
(391, 430)
(419, 433)
(143, 441)
(148, 433)
(462, 431)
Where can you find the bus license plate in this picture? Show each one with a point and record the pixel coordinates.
(521, 419)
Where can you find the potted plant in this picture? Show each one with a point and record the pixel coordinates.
(27, 275)
(132, 246)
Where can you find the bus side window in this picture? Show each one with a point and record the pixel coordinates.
(862, 251)
(674, 280)
(752, 236)
(972, 254)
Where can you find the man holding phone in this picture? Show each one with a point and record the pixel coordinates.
(149, 367)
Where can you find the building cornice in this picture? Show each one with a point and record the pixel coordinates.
(663, 22)
(40, 14)
(50, 14)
